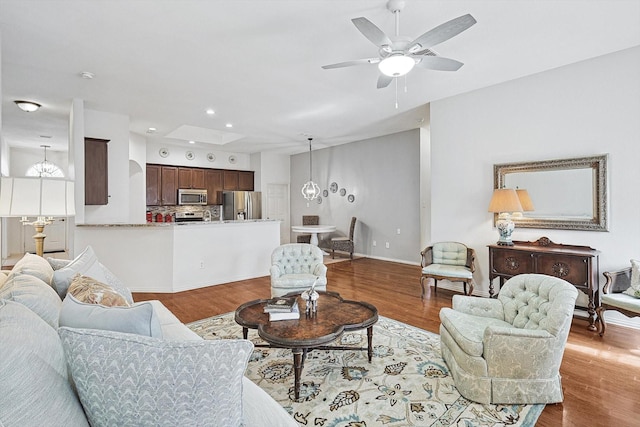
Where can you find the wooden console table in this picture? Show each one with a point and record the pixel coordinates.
(577, 265)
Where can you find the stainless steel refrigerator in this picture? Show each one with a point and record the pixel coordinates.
(241, 205)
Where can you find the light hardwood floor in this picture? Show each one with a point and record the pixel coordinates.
(600, 376)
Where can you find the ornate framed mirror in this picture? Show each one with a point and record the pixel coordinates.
(569, 194)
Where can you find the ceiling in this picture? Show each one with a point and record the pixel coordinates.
(258, 63)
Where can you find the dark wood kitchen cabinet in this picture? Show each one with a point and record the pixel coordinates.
(230, 180)
(577, 265)
(238, 180)
(191, 178)
(96, 176)
(245, 180)
(169, 185)
(213, 184)
(154, 186)
(162, 185)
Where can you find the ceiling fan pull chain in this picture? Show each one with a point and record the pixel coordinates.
(396, 80)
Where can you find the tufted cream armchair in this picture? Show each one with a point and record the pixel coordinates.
(295, 266)
(508, 350)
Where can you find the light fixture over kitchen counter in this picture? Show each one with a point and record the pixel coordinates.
(310, 190)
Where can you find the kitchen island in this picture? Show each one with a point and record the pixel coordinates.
(174, 257)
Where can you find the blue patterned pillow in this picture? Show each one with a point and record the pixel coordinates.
(125, 379)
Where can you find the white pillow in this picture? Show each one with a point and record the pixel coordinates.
(34, 294)
(87, 264)
(634, 288)
(138, 319)
(129, 380)
(34, 265)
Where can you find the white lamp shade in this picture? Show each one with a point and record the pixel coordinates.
(36, 197)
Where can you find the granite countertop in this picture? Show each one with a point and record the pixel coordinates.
(181, 224)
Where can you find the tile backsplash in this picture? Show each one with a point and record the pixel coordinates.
(164, 210)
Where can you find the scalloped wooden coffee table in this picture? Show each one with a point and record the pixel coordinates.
(333, 317)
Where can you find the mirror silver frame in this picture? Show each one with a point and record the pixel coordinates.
(598, 165)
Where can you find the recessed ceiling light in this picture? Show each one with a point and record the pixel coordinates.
(192, 142)
(151, 130)
(87, 75)
(27, 106)
(210, 112)
(229, 125)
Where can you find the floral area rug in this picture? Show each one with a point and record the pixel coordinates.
(406, 384)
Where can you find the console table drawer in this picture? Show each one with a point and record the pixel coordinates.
(511, 263)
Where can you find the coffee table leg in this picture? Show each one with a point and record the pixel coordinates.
(245, 333)
(370, 342)
(297, 370)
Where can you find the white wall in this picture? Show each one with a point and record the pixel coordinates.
(271, 168)
(583, 109)
(177, 156)
(137, 178)
(384, 176)
(23, 158)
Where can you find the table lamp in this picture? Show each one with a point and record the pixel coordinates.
(504, 202)
(42, 198)
(525, 202)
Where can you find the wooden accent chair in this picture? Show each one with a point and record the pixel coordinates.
(451, 261)
(614, 298)
(344, 244)
(308, 220)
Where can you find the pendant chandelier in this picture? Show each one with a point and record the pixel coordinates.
(45, 168)
(310, 190)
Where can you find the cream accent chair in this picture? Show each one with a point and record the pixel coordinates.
(294, 268)
(451, 261)
(508, 350)
(616, 294)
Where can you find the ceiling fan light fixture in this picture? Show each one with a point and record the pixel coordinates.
(27, 106)
(396, 65)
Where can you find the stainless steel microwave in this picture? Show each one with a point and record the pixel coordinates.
(192, 197)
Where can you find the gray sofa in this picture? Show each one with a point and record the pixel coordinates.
(56, 373)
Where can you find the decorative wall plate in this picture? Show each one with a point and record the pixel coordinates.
(351, 198)
(319, 199)
(189, 155)
(232, 159)
(333, 187)
(211, 157)
(343, 192)
(163, 152)
(325, 193)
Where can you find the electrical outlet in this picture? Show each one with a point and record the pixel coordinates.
(374, 243)
(201, 264)
(398, 231)
(386, 245)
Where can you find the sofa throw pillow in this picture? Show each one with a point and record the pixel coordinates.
(171, 382)
(34, 380)
(87, 264)
(34, 294)
(88, 290)
(34, 265)
(3, 279)
(634, 288)
(57, 264)
(139, 319)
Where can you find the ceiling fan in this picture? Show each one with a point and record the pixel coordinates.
(398, 55)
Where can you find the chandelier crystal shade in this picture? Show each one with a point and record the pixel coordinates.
(45, 168)
(310, 190)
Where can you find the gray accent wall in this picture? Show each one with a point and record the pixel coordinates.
(383, 174)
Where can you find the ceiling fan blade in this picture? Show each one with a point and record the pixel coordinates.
(439, 63)
(442, 32)
(371, 32)
(351, 63)
(383, 81)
